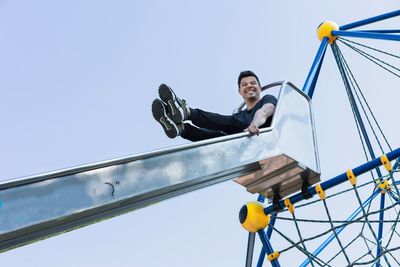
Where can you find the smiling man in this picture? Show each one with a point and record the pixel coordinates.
(173, 113)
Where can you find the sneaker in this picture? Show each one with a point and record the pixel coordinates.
(178, 109)
(159, 110)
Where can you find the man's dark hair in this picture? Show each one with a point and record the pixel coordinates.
(247, 73)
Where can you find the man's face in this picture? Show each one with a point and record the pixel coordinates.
(249, 88)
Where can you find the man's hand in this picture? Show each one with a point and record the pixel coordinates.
(253, 129)
(260, 118)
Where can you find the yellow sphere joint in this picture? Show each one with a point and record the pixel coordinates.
(252, 217)
(325, 30)
(385, 186)
(273, 256)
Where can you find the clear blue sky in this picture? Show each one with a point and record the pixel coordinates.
(77, 79)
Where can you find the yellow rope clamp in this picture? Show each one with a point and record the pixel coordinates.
(352, 177)
(273, 256)
(289, 205)
(384, 186)
(320, 191)
(385, 161)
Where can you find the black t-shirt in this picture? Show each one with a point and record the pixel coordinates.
(246, 116)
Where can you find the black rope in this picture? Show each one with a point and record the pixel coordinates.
(316, 259)
(352, 103)
(393, 227)
(378, 256)
(368, 253)
(336, 227)
(374, 60)
(348, 245)
(301, 239)
(368, 224)
(367, 239)
(341, 39)
(334, 232)
(366, 213)
(394, 182)
(338, 221)
(350, 74)
(366, 103)
(368, 210)
(394, 258)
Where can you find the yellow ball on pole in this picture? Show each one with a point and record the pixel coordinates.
(325, 30)
(252, 217)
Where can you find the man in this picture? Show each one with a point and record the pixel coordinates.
(173, 113)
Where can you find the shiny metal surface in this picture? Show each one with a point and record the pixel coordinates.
(43, 205)
(297, 160)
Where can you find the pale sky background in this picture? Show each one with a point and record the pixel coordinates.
(77, 79)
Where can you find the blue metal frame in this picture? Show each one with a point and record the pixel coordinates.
(380, 229)
(373, 34)
(381, 31)
(308, 88)
(341, 178)
(364, 34)
(312, 76)
(376, 34)
(370, 20)
(269, 233)
(267, 246)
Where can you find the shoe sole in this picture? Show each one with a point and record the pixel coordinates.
(160, 115)
(168, 96)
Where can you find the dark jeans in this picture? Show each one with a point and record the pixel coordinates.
(210, 125)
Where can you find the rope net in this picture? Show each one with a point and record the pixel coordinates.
(342, 235)
(355, 225)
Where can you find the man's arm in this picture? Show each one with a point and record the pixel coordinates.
(260, 118)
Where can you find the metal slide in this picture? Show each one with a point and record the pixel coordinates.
(276, 162)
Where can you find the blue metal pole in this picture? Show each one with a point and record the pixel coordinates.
(261, 258)
(260, 198)
(370, 20)
(395, 165)
(380, 229)
(370, 35)
(312, 76)
(340, 229)
(341, 178)
(381, 31)
(268, 247)
(272, 223)
(269, 233)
